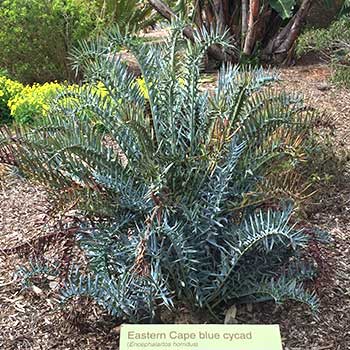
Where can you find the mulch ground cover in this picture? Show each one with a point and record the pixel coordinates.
(32, 318)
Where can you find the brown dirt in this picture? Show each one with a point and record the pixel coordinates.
(313, 82)
(33, 319)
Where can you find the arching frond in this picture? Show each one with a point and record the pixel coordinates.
(184, 178)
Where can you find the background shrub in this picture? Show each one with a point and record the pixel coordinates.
(36, 36)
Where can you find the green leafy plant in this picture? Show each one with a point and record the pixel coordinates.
(283, 7)
(345, 8)
(182, 180)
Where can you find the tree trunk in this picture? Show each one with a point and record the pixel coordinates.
(249, 22)
(226, 11)
(244, 19)
(218, 7)
(252, 20)
(285, 40)
(297, 22)
(215, 51)
(198, 15)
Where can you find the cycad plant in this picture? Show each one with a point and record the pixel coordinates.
(191, 184)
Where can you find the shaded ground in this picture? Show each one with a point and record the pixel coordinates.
(32, 318)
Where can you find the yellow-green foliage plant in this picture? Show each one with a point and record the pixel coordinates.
(26, 104)
(33, 102)
(8, 90)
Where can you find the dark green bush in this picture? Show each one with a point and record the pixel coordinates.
(36, 35)
(192, 185)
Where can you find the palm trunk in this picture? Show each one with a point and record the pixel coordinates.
(296, 26)
(198, 15)
(218, 7)
(244, 19)
(215, 51)
(285, 40)
(252, 20)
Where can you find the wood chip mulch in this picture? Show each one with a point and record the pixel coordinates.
(32, 318)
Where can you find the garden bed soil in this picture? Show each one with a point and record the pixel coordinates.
(33, 319)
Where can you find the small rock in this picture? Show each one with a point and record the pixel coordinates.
(37, 290)
(250, 307)
(323, 87)
(53, 285)
(116, 330)
(230, 316)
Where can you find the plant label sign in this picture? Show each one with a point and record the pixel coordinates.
(200, 337)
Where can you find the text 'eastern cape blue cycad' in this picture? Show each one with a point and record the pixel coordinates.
(192, 182)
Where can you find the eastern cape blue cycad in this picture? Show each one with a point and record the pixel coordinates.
(183, 177)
